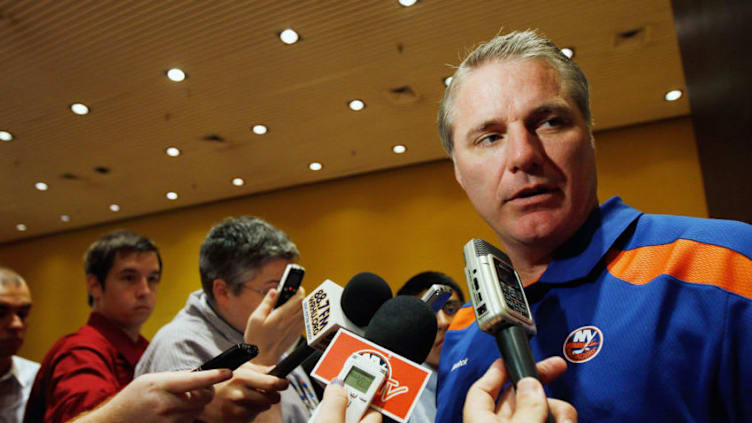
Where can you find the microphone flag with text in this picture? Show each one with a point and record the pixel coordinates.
(329, 308)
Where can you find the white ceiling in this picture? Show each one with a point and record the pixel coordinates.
(112, 56)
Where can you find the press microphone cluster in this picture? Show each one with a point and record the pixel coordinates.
(501, 308)
(386, 360)
(330, 308)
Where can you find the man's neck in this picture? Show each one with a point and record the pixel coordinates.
(529, 266)
(133, 332)
(5, 364)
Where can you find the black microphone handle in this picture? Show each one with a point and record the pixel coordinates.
(293, 360)
(518, 357)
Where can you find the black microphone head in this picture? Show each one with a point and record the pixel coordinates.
(404, 325)
(362, 296)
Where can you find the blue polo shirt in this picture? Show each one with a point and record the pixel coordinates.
(652, 313)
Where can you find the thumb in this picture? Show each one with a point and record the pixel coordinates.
(531, 401)
(333, 404)
(179, 382)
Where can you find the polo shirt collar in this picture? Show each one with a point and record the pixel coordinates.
(118, 338)
(577, 257)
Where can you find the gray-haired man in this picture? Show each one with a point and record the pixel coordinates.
(241, 262)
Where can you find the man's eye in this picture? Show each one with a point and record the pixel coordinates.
(552, 123)
(488, 139)
(154, 279)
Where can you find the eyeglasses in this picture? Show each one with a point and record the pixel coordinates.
(262, 292)
(451, 307)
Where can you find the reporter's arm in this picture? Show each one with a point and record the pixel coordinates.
(159, 397)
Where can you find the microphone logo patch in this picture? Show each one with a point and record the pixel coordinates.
(583, 344)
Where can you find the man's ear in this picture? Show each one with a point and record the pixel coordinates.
(457, 175)
(94, 287)
(221, 291)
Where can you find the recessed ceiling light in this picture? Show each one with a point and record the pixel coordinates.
(176, 74)
(289, 36)
(114, 207)
(357, 105)
(21, 227)
(567, 51)
(172, 195)
(399, 149)
(407, 3)
(259, 129)
(6, 136)
(315, 166)
(41, 186)
(172, 151)
(238, 182)
(65, 218)
(673, 95)
(79, 109)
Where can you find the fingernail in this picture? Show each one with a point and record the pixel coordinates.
(338, 381)
(528, 385)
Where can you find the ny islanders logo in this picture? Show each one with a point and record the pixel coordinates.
(583, 344)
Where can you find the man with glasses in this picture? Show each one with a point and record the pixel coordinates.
(241, 262)
(425, 410)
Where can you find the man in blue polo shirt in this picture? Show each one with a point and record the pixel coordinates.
(652, 313)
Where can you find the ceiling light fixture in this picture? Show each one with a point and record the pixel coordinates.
(238, 182)
(399, 149)
(21, 227)
(407, 3)
(568, 51)
(79, 109)
(172, 151)
(6, 136)
(673, 95)
(288, 36)
(114, 207)
(356, 105)
(259, 129)
(41, 186)
(315, 166)
(176, 75)
(172, 195)
(447, 81)
(65, 218)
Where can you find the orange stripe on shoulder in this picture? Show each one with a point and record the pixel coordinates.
(464, 318)
(687, 260)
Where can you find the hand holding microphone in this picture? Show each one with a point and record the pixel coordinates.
(500, 306)
(526, 404)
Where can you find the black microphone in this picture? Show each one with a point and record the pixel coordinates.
(330, 307)
(501, 308)
(404, 325)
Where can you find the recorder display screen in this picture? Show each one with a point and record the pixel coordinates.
(359, 379)
(505, 273)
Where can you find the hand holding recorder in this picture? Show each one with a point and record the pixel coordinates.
(274, 330)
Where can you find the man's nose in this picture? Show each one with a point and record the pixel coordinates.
(17, 322)
(524, 149)
(442, 320)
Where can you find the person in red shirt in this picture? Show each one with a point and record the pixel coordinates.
(83, 369)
